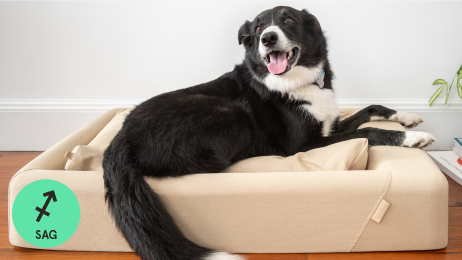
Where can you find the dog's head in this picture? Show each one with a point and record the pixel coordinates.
(285, 48)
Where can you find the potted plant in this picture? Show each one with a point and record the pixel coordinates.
(457, 77)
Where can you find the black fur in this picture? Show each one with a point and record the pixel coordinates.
(206, 128)
(364, 116)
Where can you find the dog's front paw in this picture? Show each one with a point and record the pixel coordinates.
(418, 139)
(408, 120)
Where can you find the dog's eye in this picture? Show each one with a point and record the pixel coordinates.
(289, 20)
(258, 29)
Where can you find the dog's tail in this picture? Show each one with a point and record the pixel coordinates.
(141, 216)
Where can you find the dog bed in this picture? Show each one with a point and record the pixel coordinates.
(377, 199)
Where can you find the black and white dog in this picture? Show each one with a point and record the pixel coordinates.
(279, 101)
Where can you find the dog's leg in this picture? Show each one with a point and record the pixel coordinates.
(377, 136)
(377, 113)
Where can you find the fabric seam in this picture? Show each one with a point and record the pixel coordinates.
(374, 208)
(366, 147)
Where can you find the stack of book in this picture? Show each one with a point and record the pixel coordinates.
(450, 162)
(458, 147)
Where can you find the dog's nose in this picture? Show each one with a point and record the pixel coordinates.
(269, 39)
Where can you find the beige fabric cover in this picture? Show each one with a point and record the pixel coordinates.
(277, 212)
(90, 157)
(343, 156)
(86, 158)
(108, 133)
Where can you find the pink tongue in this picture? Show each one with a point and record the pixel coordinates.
(278, 62)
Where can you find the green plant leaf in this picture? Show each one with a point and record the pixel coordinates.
(459, 87)
(437, 93)
(447, 95)
(439, 81)
(460, 70)
(449, 90)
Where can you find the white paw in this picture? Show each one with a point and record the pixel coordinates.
(406, 119)
(418, 139)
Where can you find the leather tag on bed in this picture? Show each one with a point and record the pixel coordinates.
(381, 211)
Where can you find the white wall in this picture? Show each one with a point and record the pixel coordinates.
(63, 63)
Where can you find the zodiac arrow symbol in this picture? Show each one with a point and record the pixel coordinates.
(51, 195)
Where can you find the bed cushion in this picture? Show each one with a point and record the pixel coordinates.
(85, 158)
(342, 156)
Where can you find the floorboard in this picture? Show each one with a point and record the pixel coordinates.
(11, 162)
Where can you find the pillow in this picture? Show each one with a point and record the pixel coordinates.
(342, 156)
(90, 157)
(86, 158)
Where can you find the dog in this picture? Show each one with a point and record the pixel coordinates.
(279, 101)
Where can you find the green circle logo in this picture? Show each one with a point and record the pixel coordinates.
(46, 213)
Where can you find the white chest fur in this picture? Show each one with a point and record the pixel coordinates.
(323, 106)
(297, 83)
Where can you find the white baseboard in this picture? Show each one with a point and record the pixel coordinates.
(408, 105)
(101, 105)
(64, 105)
(37, 124)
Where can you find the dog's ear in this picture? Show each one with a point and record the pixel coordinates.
(243, 35)
(311, 20)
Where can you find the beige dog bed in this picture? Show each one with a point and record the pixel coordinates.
(332, 199)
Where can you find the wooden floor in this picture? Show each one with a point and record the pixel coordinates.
(11, 162)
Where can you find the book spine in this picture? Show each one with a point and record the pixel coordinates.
(458, 142)
(458, 151)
